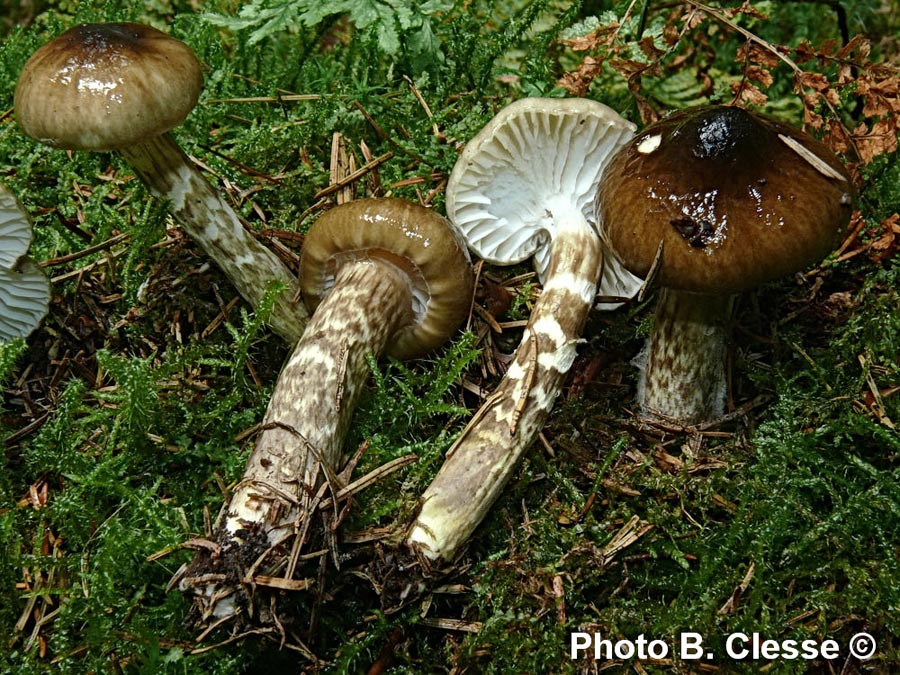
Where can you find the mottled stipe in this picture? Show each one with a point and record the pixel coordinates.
(304, 427)
(369, 302)
(483, 458)
(210, 221)
(683, 363)
(375, 270)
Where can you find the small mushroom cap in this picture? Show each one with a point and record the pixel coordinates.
(24, 288)
(736, 198)
(416, 240)
(536, 161)
(106, 86)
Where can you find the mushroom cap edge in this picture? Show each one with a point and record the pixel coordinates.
(416, 239)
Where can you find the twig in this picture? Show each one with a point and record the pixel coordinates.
(220, 318)
(374, 476)
(87, 268)
(718, 16)
(421, 99)
(109, 243)
(452, 624)
(267, 99)
(356, 175)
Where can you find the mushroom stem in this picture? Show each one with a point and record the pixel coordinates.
(484, 456)
(303, 432)
(682, 364)
(369, 301)
(211, 222)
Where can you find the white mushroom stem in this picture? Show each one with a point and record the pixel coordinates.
(211, 222)
(683, 363)
(303, 430)
(485, 455)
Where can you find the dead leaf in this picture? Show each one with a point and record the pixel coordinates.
(759, 74)
(593, 40)
(578, 82)
(693, 19)
(836, 137)
(732, 604)
(815, 81)
(749, 93)
(858, 43)
(748, 10)
(880, 140)
(650, 50)
(756, 53)
(671, 35)
(812, 119)
(888, 244)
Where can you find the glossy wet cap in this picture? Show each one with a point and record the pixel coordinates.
(106, 86)
(736, 198)
(417, 241)
(24, 288)
(536, 161)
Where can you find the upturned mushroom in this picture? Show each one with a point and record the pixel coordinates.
(124, 86)
(382, 276)
(524, 187)
(735, 199)
(24, 288)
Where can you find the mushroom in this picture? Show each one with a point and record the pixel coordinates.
(124, 86)
(733, 199)
(24, 288)
(382, 276)
(524, 186)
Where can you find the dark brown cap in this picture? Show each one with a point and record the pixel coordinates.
(736, 198)
(106, 86)
(416, 240)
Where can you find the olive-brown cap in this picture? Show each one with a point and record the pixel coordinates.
(736, 198)
(106, 86)
(416, 240)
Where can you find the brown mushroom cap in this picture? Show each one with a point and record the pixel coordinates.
(414, 239)
(106, 86)
(736, 198)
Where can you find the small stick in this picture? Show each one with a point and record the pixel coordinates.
(85, 252)
(356, 175)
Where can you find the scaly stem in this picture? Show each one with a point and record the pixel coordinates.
(211, 222)
(683, 362)
(483, 458)
(303, 430)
